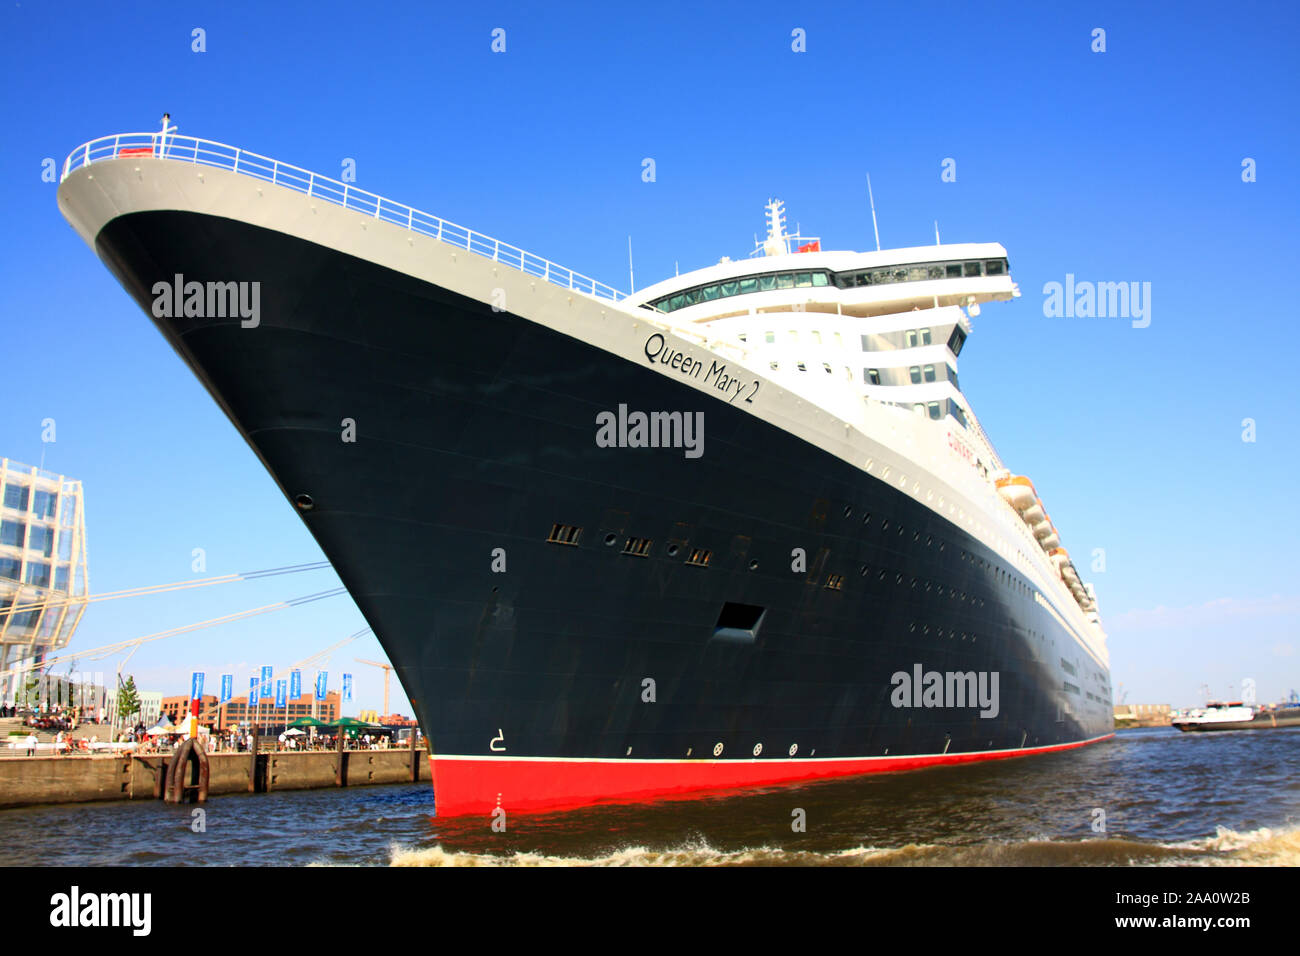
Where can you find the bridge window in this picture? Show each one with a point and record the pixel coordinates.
(871, 375)
(771, 337)
(972, 269)
(821, 279)
(994, 267)
(934, 410)
(956, 340)
(730, 288)
(929, 373)
(952, 377)
(803, 280)
(766, 283)
(953, 270)
(785, 281)
(748, 285)
(915, 373)
(709, 293)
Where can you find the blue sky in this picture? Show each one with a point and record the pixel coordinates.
(1115, 166)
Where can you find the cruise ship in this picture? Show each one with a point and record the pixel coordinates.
(740, 528)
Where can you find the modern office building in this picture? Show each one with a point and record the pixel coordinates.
(43, 578)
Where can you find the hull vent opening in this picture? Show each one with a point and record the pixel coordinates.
(638, 547)
(835, 582)
(699, 557)
(739, 623)
(564, 534)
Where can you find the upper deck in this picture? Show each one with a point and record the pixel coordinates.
(847, 283)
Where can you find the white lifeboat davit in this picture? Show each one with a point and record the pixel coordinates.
(1018, 491)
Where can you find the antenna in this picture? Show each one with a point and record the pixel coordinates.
(936, 232)
(873, 212)
(631, 277)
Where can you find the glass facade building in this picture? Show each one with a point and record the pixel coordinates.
(43, 580)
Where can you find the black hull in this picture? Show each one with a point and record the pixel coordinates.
(475, 430)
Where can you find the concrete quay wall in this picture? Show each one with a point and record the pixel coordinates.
(28, 781)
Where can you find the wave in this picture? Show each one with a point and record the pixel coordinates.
(1262, 847)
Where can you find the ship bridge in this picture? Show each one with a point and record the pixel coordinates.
(885, 326)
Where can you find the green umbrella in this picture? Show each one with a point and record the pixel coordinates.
(352, 726)
(308, 722)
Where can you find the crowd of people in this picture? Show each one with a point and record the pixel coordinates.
(63, 721)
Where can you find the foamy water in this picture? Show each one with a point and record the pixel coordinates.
(1263, 847)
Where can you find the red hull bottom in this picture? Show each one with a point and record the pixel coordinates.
(477, 785)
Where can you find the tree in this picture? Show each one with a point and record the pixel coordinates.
(128, 701)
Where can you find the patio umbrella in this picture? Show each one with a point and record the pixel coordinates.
(308, 722)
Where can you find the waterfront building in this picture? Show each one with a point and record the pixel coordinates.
(266, 714)
(43, 578)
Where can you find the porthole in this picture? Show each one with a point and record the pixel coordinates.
(866, 518)
(610, 539)
(864, 571)
(848, 511)
(672, 550)
(304, 502)
(753, 565)
(717, 749)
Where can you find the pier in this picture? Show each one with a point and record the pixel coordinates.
(30, 781)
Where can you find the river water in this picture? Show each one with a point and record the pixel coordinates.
(1152, 796)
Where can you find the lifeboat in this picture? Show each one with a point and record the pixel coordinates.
(1049, 541)
(1017, 491)
(1059, 558)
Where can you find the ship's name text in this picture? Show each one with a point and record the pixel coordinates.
(658, 350)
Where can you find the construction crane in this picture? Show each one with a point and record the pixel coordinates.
(388, 669)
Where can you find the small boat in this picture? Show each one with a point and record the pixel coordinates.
(1235, 715)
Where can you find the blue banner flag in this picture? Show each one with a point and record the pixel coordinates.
(266, 682)
(321, 677)
(280, 686)
(252, 692)
(196, 685)
(295, 684)
(227, 688)
(347, 686)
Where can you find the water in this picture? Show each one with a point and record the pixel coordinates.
(1168, 798)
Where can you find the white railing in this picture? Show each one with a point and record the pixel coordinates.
(187, 149)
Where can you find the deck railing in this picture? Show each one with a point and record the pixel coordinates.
(203, 152)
